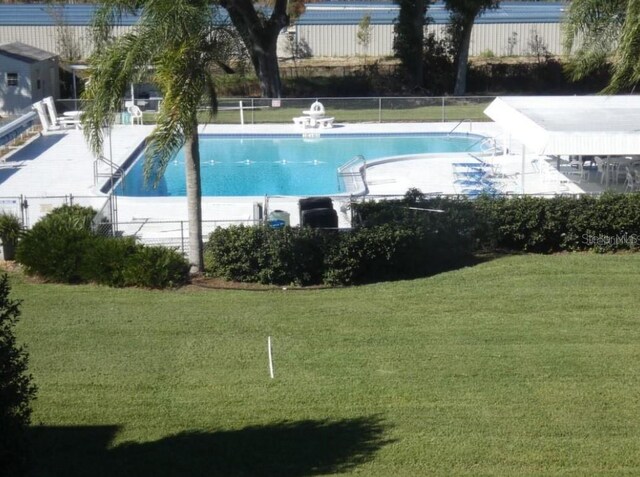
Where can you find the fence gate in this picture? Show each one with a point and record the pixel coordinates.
(12, 205)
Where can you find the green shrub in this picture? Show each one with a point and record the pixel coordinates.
(62, 248)
(107, 260)
(294, 256)
(155, 267)
(384, 252)
(606, 223)
(54, 248)
(72, 216)
(10, 232)
(266, 255)
(16, 389)
(236, 253)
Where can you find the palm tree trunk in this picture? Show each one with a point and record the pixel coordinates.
(194, 201)
(463, 58)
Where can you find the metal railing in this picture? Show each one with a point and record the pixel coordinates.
(17, 128)
(352, 175)
(115, 172)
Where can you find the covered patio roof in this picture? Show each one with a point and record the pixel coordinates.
(571, 125)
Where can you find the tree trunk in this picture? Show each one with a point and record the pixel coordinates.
(194, 201)
(265, 63)
(463, 58)
(260, 37)
(418, 25)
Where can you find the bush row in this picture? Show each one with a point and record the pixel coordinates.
(62, 247)
(607, 223)
(417, 236)
(306, 256)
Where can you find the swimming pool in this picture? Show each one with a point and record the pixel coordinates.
(289, 165)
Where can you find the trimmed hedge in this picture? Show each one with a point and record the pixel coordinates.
(265, 255)
(415, 237)
(392, 242)
(63, 248)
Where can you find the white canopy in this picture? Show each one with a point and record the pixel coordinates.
(571, 125)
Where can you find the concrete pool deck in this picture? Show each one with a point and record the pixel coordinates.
(60, 164)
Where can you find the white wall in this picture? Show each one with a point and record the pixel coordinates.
(340, 40)
(14, 98)
(325, 40)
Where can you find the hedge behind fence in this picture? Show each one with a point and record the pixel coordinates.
(394, 242)
(415, 237)
(62, 247)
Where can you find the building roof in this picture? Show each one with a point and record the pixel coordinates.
(347, 13)
(326, 13)
(26, 53)
(571, 125)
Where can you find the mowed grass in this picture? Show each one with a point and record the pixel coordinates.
(366, 112)
(522, 365)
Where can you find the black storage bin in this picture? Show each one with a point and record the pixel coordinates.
(319, 218)
(315, 203)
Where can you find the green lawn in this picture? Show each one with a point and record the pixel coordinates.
(362, 111)
(524, 365)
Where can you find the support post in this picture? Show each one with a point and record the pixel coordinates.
(524, 153)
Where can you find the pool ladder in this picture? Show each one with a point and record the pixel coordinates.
(116, 172)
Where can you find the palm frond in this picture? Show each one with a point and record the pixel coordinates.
(592, 31)
(627, 60)
(106, 16)
(111, 71)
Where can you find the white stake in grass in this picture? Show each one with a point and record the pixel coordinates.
(270, 352)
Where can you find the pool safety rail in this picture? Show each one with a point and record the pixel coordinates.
(352, 176)
(106, 168)
(18, 130)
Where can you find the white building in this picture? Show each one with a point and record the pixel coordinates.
(27, 74)
(324, 29)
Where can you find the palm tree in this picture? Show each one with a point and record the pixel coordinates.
(177, 41)
(604, 30)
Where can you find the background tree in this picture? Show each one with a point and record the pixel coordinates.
(462, 17)
(605, 34)
(363, 35)
(16, 389)
(408, 41)
(259, 34)
(177, 42)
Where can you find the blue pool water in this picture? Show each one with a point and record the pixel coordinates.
(283, 165)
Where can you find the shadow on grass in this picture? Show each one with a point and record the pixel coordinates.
(295, 449)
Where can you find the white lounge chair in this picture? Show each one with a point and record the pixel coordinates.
(59, 121)
(41, 109)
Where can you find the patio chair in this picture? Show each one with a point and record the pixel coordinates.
(577, 167)
(630, 183)
(135, 114)
(602, 169)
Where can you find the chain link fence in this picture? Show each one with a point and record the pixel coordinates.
(344, 110)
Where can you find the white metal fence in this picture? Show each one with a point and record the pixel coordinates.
(345, 110)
